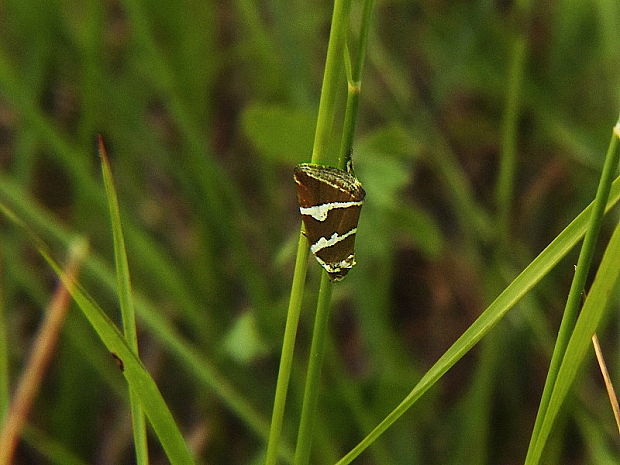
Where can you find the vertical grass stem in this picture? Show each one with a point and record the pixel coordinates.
(311, 392)
(325, 118)
(288, 346)
(327, 110)
(331, 81)
(320, 331)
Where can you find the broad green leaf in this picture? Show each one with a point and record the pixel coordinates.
(383, 162)
(384, 177)
(422, 229)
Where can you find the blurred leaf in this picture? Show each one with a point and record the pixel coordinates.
(384, 179)
(278, 133)
(382, 162)
(50, 448)
(391, 139)
(243, 342)
(423, 230)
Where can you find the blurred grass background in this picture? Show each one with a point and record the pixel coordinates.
(205, 108)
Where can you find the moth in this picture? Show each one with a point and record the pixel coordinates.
(330, 201)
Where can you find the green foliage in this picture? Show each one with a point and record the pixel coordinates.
(243, 342)
(140, 382)
(386, 160)
(599, 300)
(205, 108)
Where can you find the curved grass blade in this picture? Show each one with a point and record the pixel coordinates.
(136, 375)
(578, 284)
(523, 283)
(600, 295)
(196, 364)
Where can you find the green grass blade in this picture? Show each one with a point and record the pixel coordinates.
(206, 373)
(126, 302)
(508, 159)
(525, 281)
(578, 283)
(138, 378)
(598, 300)
(136, 375)
(198, 365)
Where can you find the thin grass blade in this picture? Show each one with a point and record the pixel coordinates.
(136, 375)
(598, 300)
(522, 284)
(198, 365)
(128, 313)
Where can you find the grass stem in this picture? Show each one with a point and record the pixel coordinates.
(311, 392)
(596, 306)
(508, 154)
(354, 84)
(320, 331)
(325, 118)
(577, 286)
(331, 81)
(288, 346)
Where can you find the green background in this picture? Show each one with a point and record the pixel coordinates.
(205, 108)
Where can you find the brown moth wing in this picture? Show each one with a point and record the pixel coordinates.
(318, 184)
(332, 235)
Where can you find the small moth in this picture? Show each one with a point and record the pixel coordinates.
(330, 201)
